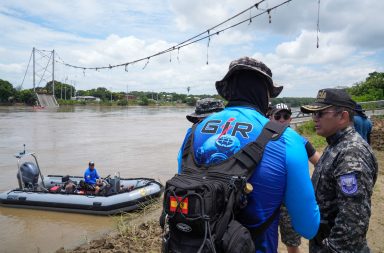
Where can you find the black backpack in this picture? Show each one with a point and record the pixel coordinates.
(200, 204)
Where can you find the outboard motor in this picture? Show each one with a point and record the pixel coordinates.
(115, 185)
(30, 174)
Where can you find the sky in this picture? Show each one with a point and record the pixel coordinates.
(100, 33)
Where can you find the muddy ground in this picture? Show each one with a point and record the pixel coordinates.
(141, 232)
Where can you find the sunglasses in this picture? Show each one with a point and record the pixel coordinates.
(285, 116)
(320, 114)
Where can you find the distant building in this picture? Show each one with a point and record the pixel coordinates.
(130, 97)
(86, 98)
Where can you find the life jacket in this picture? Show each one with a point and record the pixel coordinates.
(200, 204)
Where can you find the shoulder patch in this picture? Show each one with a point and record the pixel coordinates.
(348, 184)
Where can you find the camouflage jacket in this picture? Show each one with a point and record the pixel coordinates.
(343, 180)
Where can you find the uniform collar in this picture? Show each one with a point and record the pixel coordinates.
(331, 140)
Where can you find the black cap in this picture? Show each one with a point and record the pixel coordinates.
(248, 63)
(91, 163)
(327, 98)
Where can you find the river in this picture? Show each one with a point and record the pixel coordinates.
(135, 141)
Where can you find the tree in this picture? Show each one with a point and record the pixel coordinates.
(6, 91)
(370, 90)
(62, 90)
(26, 96)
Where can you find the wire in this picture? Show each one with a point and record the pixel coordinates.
(185, 43)
(45, 70)
(21, 85)
(318, 23)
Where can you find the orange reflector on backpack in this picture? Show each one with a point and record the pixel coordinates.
(181, 206)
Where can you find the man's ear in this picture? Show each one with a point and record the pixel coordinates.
(344, 116)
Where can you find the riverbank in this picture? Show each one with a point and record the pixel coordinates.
(140, 232)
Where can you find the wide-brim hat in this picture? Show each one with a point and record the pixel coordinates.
(247, 63)
(327, 98)
(204, 108)
(194, 118)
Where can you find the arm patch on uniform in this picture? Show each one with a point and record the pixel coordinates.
(348, 184)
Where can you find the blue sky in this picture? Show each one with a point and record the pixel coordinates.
(94, 33)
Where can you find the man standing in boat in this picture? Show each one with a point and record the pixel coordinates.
(90, 174)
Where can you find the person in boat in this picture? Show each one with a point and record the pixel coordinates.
(91, 176)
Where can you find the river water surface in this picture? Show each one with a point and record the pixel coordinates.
(135, 141)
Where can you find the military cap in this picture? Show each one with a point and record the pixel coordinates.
(205, 107)
(248, 63)
(327, 98)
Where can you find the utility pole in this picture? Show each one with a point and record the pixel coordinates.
(65, 82)
(65, 93)
(53, 72)
(111, 95)
(34, 83)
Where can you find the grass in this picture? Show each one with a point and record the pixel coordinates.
(307, 129)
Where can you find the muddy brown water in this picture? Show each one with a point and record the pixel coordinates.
(135, 141)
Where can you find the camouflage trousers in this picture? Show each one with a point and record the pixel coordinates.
(288, 235)
(314, 247)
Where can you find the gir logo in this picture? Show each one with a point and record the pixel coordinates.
(348, 184)
(229, 127)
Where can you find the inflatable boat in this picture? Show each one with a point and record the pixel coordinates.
(66, 193)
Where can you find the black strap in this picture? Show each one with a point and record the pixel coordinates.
(255, 232)
(244, 161)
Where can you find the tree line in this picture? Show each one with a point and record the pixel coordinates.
(371, 89)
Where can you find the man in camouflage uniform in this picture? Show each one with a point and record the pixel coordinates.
(343, 178)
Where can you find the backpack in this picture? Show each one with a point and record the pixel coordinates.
(200, 204)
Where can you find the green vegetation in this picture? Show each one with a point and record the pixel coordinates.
(371, 89)
(307, 129)
(10, 95)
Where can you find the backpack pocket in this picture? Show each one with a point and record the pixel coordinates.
(237, 239)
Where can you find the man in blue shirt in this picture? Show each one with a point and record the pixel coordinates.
(362, 124)
(282, 174)
(90, 174)
(281, 113)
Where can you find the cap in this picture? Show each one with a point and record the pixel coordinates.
(359, 109)
(281, 107)
(205, 107)
(91, 163)
(327, 98)
(248, 63)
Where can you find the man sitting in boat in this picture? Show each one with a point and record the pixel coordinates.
(91, 175)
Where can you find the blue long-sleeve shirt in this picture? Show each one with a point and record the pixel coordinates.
(90, 176)
(281, 176)
(363, 126)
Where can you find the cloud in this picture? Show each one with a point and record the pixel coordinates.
(96, 33)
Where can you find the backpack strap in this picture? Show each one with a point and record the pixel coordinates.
(251, 154)
(240, 164)
(255, 232)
